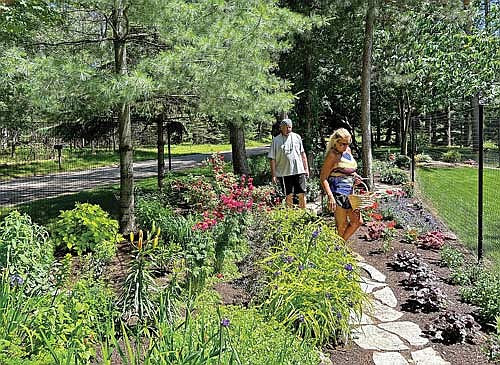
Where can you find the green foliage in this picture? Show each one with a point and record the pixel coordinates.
(260, 169)
(313, 189)
(422, 158)
(452, 156)
(139, 285)
(402, 161)
(25, 249)
(394, 176)
(484, 293)
(312, 279)
(211, 335)
(451, 257)
(86, 228)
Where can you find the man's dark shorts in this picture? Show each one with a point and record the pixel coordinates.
(293, 184)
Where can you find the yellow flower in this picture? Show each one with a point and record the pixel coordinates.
(131, 236)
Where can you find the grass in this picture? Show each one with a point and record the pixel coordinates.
(82, 159)
(452, 193)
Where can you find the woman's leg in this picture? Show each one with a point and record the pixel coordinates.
(341, 220)
(355, 221)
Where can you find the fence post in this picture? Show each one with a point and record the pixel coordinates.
(412, 149)
(480, 184)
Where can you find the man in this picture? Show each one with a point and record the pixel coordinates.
(289, 163)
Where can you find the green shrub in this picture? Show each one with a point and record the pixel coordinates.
(312, 279)
(451, 257)
(260, 169)
(394, 176)
(451, 156)
(402, 161)
(87, 228)
(484, 293)
(25, 249)
(313, 189)
(423, 158)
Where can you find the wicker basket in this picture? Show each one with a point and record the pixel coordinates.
(359, 199)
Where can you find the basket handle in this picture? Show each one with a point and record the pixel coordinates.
(356, 187)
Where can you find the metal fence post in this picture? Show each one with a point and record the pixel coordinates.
(480, 184)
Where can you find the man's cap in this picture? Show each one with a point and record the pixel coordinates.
(287, 122)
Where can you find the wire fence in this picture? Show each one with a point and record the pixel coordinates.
(456, 162)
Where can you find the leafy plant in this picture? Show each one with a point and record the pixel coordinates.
(451, 257)
(402, 161)
(86, 228)
(429, 298)
(451, 156)
(431, 240)
(407, 261)
(451, 327)
(485, 293)
(136, 294)
(25, 250)
(311, 279)
(394, 176)
(423, 158)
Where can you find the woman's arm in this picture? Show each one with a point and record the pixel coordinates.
(331, 161)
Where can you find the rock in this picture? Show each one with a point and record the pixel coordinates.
(389, 358)
(386, 296)
(428, 356)
(371, 337)
(410, 331)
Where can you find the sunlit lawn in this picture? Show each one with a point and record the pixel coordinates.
(452, 192)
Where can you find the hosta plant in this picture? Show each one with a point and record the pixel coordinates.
(86, 228)
(407, 261)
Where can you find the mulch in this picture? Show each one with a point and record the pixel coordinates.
(456, 354)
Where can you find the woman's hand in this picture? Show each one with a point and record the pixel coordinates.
(331, 204)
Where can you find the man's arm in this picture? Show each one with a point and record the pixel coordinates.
(273, 171)
(304, 161)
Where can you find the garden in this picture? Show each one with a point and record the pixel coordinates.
(221, 273)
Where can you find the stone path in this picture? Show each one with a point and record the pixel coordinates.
(394, 342)
(379, 329)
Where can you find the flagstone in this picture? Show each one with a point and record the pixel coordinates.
(386, 296)
(410, 331)
(383, 312)
(428, 356)
(389, 358)
(371, 337)
(368, 285)
(374, 273)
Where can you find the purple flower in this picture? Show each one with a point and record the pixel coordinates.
(348, 267)
(338, 248)
(316, 232)
(339, 315)
(328, 296)
(288, 259)
(277, 273)
(225, 322)
(16, 280)
(301, 267)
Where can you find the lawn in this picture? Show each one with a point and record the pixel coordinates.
(452, 193)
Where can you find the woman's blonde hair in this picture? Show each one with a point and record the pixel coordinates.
(336, 136)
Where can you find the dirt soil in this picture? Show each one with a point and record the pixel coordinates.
(456, 354)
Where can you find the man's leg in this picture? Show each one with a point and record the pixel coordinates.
(289, 200)
(302, 200)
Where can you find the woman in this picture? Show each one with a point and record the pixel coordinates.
(337, 177)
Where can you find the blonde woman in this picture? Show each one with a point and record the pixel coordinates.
(337, 177)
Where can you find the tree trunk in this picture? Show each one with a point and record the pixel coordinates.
(448, 129)
(127, 216)
(308, 115)
(405, 126)
(365, 92)
(237, 139)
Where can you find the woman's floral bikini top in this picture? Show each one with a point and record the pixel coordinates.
(346, 166)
